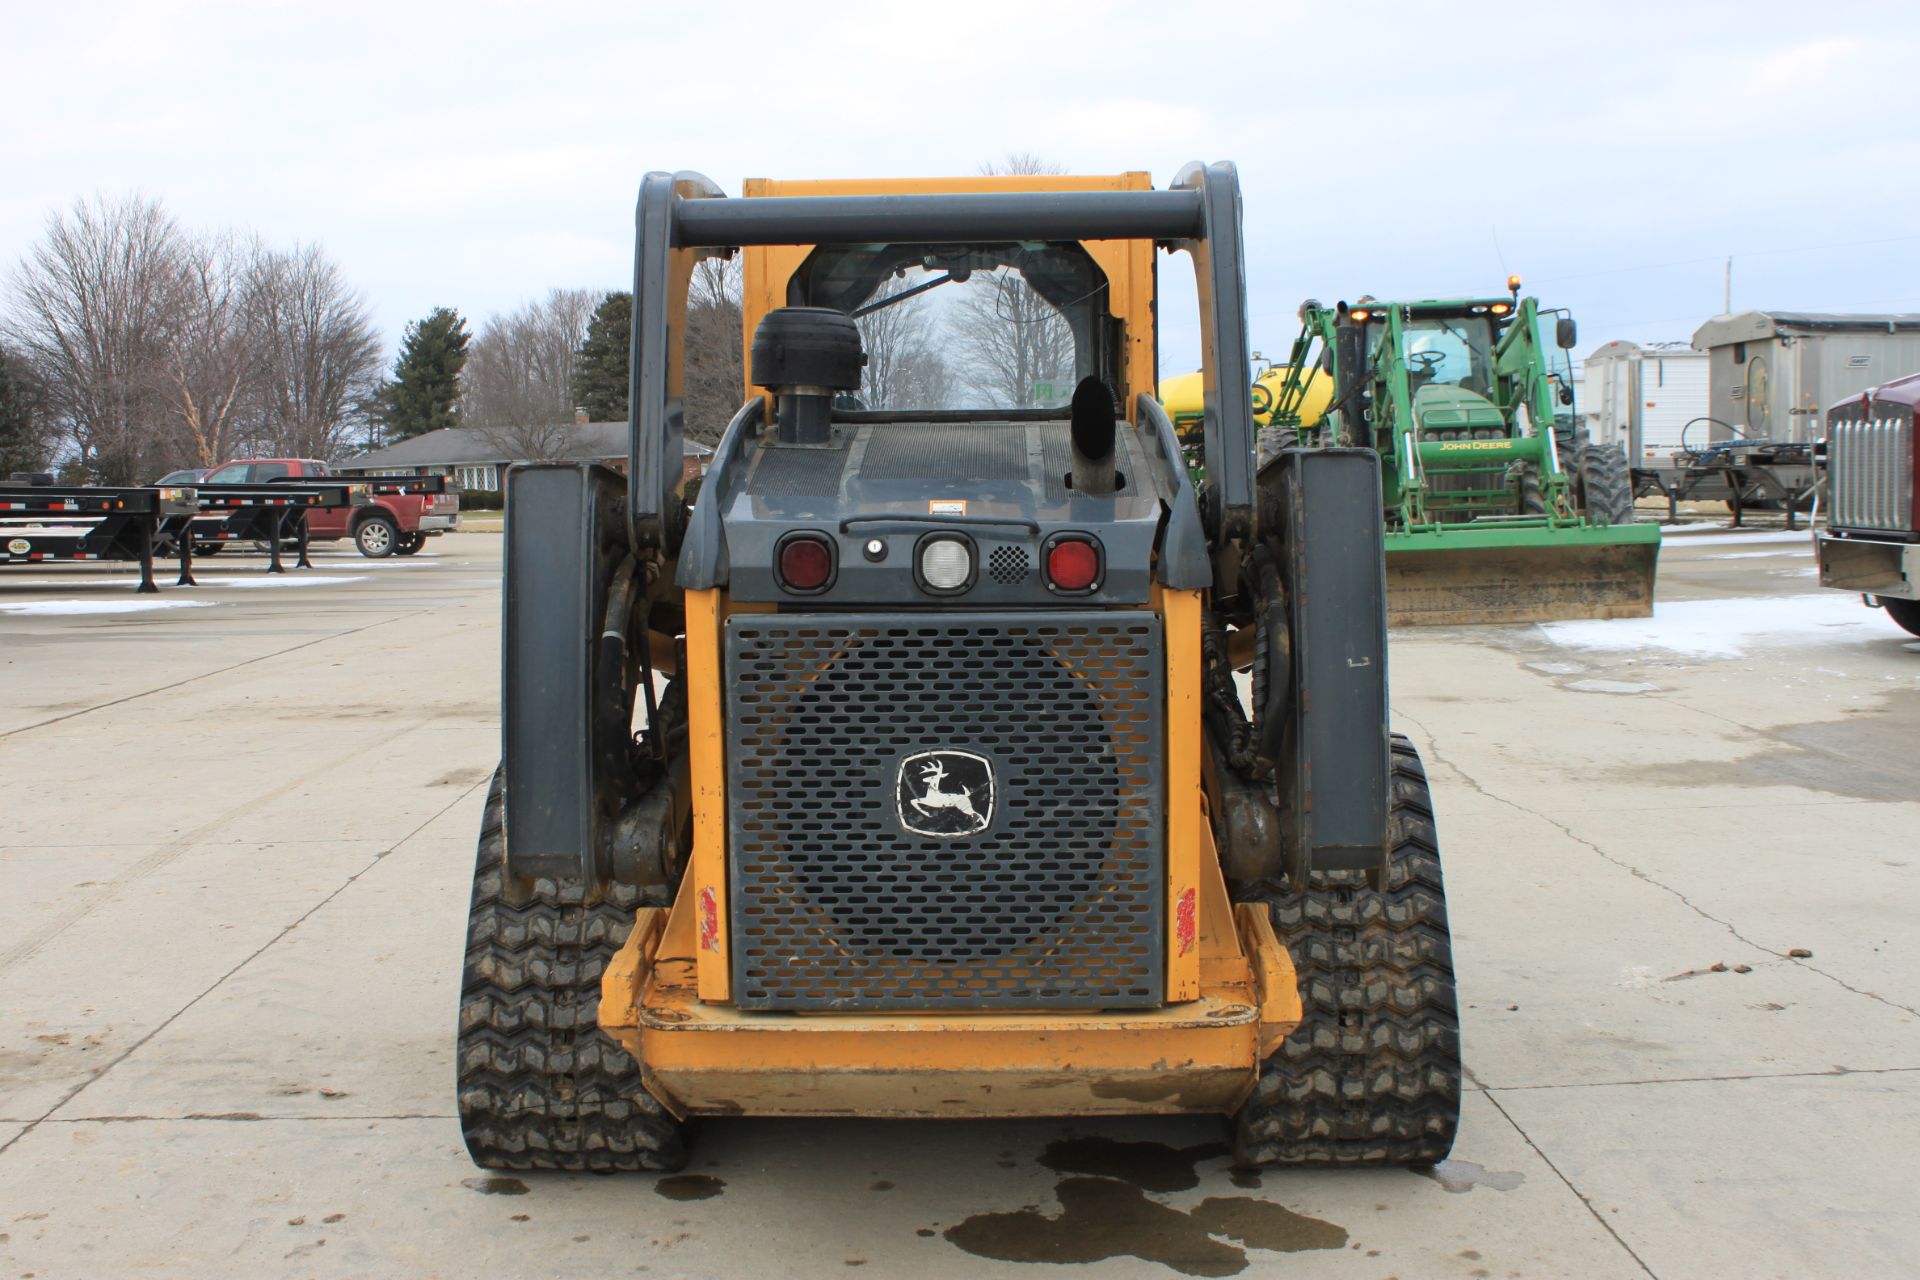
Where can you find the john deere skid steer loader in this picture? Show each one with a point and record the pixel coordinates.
(905, 773)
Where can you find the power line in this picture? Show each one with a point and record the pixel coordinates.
(1720, 257)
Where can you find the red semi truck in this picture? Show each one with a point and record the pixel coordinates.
(1870, 540)
(393, 524)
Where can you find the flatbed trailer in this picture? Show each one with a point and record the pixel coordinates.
(42, 524)
(227, 513)
(1762, 475)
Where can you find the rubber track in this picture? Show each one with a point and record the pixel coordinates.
(540, 1087)
(1606, 484)
(1372, 1075)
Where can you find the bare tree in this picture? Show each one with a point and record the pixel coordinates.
(1014, 342)
(518, 377)
(904, 367)
(715, 363)
(209, 347)
(316, 353)
(96, 314)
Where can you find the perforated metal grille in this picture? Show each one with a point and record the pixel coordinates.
(945, 451)
(1008, 565)
(837, 904)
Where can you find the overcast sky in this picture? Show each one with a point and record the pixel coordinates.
(476, 155)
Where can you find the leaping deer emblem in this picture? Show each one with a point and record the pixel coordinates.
(935, 799)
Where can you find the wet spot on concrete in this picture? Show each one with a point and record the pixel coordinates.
(690, 1186)
(881, 1185)
(1101, 1218)
(334, 1217)
(1150, 1166)
(1861, 757)
(1462, 1176)
(924, 1231)
(496, 1186)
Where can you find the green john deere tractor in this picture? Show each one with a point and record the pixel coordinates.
(1496, 510)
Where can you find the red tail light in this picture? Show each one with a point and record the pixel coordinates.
(806, 563)
(1073, 564)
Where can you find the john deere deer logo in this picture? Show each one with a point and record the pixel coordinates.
(945, 794)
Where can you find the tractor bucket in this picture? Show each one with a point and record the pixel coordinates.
(1482, 573)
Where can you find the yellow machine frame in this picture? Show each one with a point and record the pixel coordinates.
(1231, 993)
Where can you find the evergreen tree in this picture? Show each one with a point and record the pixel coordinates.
(601, 368)
(426, 376)
(21, 441)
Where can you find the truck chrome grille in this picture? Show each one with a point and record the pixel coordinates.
(1870, 467)
(846, 732)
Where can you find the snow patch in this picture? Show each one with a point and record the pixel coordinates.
(1724, 628)
(1754, 555)
(1735, 538)
(1610, 686)
(78, 608)
(296, 579)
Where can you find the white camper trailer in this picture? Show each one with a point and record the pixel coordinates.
(1642, 398)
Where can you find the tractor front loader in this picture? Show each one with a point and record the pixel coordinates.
(904, 774)
(1495, 512)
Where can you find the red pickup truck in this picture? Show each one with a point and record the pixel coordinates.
(393, 524)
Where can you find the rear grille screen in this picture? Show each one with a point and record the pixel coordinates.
(945, 812)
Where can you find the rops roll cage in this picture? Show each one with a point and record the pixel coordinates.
(683, 217)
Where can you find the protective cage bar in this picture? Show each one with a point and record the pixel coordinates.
(683, 217)
(946, 811)
(935, 219)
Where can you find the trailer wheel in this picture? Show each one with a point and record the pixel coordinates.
(376, 536)
(206, 549)
(540, 1086)
(1606, 483)
(409, 543)
(1372, 1075)
(1904, 612)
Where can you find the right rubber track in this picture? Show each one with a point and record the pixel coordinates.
(1372, 1075)
(540, 1087)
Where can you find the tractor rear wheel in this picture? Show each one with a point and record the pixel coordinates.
(1904, 612)
(1372, 1075)
(1533, 499)
(540, 1087)
(1606, 484)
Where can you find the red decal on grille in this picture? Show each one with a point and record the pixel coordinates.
(1185, 921)
(709, 920)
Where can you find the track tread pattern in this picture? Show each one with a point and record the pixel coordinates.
(1372, 1076)
(539, 1085)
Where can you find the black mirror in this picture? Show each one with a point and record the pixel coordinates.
(1566, 395)
(1566, 333)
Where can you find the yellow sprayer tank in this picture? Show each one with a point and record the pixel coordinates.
(1181, 397)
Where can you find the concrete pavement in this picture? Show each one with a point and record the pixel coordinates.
(235, 844)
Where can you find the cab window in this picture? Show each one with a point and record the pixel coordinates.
(264, 471)
(235, 474)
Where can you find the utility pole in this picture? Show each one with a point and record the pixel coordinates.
(1726, 301)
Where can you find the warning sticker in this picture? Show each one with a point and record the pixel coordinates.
(946, 506)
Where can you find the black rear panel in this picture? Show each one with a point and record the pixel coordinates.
(946, 811)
